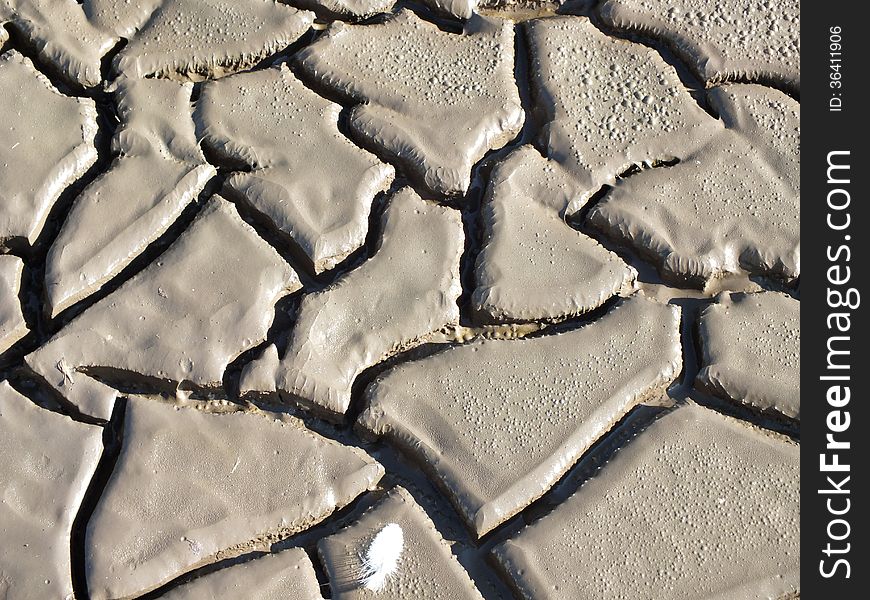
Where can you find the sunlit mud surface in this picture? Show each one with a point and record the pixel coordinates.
(439, 299)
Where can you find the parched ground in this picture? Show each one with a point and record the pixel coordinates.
(440, 299)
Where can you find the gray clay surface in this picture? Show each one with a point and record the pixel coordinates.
(59, 31)
(498, 422)
(697, 506)
(201, 39)
(533, 265)
(218, 297)
(191, 487)
(358, 322)
(699, 221)
(431, 100)
(306, 177)
(347, 9)
(607, 104)
(48, 461)
(428, 570)
(158, 172)
(12, 324)
(359, 299)
(750, 347)
(288, 575)
(119, 16)
(48, 142)
(731, 40)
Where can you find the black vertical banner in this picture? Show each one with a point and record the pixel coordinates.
(835, 425)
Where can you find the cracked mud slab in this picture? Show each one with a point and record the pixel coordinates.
(48, 463)
(498, 422)
(287, 575)
(48, 142)
(158, 171)
(426, 568)
(731, 40)
(751, 351)
(62, 36)
(434, 101)
(312, 183)
(12, 324)
(183, 319)
(533, 265)
(607, 104)
(201, 39)
(697, 506)
(191, 487)
(699, 221)
(360, 321)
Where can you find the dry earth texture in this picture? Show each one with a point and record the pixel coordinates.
(431, 299)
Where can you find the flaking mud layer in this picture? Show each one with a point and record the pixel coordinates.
(533, 266)
(346, 9)
(693, 488)
(607, 104)
(120, 17)
(205, 39)
(62, 36)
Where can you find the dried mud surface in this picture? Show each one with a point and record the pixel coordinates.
(472, 299)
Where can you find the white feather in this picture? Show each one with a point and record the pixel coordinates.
(381, 559)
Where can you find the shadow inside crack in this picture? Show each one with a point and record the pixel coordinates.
(112, 439)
